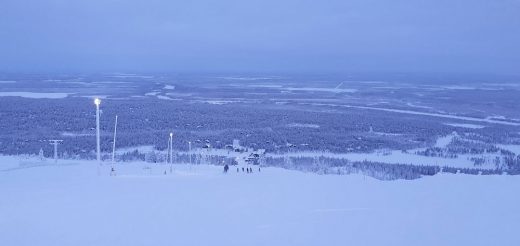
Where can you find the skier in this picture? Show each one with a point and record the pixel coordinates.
(112, 172)
(242, 169)
(258, 169)
(226, 168)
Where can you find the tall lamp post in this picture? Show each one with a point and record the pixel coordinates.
(170, 151)
(97, 101)
(189, 150)
(171, 148)
(114, 143)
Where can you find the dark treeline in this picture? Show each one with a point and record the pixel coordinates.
(382, 171)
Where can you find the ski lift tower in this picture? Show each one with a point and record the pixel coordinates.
(55, 143)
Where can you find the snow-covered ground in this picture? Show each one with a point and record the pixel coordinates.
(410, 156)
(169, 87)
(511, 147)
(69, 204)
(491, 120)
(142, 149)
(37, 95)
(316, 89)
(399, 157)
(469, 126)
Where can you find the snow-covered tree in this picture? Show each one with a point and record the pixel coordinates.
(151, 157)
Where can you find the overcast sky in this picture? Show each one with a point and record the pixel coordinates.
(439, 36)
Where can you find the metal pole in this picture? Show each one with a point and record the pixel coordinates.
(171, 148)
(168, 152)
(114, 144)
(189, 147)
(56, 152)
(98, 148)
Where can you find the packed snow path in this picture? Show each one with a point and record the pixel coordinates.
(72, 205)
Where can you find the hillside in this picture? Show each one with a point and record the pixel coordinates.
(69, 204)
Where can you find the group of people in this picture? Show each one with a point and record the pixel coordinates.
(247, 169)
(244, 169)
(226, 169)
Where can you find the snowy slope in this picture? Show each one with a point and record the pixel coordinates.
(71, 205)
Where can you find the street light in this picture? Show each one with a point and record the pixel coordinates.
(114, 143)
(189, 150)
(170, 151)
(189, 154)
(171, 148)
(97, 102)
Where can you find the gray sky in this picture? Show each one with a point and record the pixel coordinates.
(440, 36)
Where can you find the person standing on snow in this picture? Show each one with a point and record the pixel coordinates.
(113, 172)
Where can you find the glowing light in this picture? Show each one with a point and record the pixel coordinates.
(97, 101)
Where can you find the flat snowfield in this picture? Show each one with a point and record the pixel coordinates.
(71, 205)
